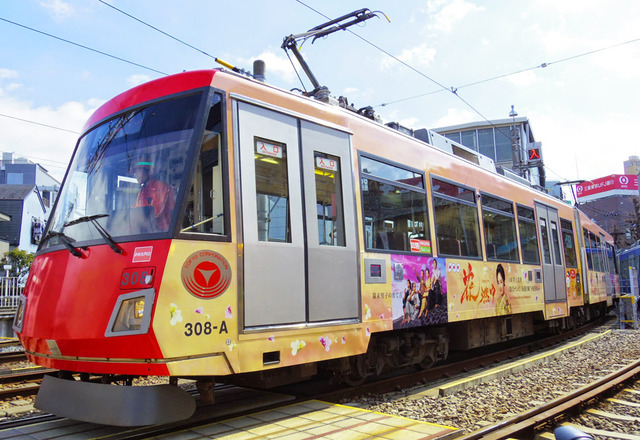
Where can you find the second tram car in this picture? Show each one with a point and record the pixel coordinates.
(212, 226)
(629, 262)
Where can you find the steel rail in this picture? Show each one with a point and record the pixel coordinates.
(523, 425)
(449, 368)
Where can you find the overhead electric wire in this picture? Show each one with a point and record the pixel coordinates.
(83, 46)
(39, 123)
(61, 165)
(157, 29)
(450, 89)
(454, 90)
(540, 66)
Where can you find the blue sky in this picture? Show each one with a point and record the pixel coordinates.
(583, 108)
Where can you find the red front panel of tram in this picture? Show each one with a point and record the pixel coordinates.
(70, 300)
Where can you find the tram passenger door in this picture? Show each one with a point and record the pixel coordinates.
(330, 221)
(298, 220)
(606, 265)
(553, 272)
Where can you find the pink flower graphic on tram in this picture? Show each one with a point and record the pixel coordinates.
(200, 311)
(344, 340)
(368, 332)
(227, 313)
(326, 342)
(271, 338)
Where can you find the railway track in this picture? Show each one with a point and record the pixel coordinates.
(231, 401)
(536, 423)
(457, 365)
(10, 351)
(23, 382)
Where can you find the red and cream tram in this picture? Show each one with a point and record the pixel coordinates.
(212, 226)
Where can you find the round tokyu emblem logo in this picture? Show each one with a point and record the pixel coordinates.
(206, 274)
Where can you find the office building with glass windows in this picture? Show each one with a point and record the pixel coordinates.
(508, 142)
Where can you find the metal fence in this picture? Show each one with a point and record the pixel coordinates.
(10, 291)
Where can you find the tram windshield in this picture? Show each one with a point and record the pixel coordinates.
(125, 175)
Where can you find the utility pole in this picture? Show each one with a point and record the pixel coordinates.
(515, 145)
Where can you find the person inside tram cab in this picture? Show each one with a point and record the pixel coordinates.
(154, 192)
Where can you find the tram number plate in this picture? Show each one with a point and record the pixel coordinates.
(137, 278)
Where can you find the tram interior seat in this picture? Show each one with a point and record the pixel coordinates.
(529, 255)
(492, 252)
(392, 240)
(469, 248)
(449, 246)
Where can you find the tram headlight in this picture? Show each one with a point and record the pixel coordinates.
(132, 313)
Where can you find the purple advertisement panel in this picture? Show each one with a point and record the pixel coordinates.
(419, 287)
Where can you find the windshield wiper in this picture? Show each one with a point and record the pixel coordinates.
(86, 218)
(195, 225)
(66, 241)
(103, 232)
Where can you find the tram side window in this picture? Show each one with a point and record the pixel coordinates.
(499, 229)
(588, 247)
(595, 242)
(570, 255)
(272, 191)
(528, 235)
(611, 255)
(456, 218)
(544, 236)
(329, 200)
(394, 207)
(555, 239)
(604, 261)
(205, 204)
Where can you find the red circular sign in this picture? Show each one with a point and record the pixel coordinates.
(206, 274)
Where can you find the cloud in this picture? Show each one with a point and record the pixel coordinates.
(593, 158)
(277, 66)
(523, 78)
(454, 117)
(418, 56)
(136, 80)
(444, 14)
(59, 8)
(25, 132)
(7, 73)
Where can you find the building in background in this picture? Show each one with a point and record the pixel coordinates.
(612, 202)
(510, 143)
(27, 193)
(632, 165)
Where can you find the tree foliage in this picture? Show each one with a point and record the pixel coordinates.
(19, 260)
